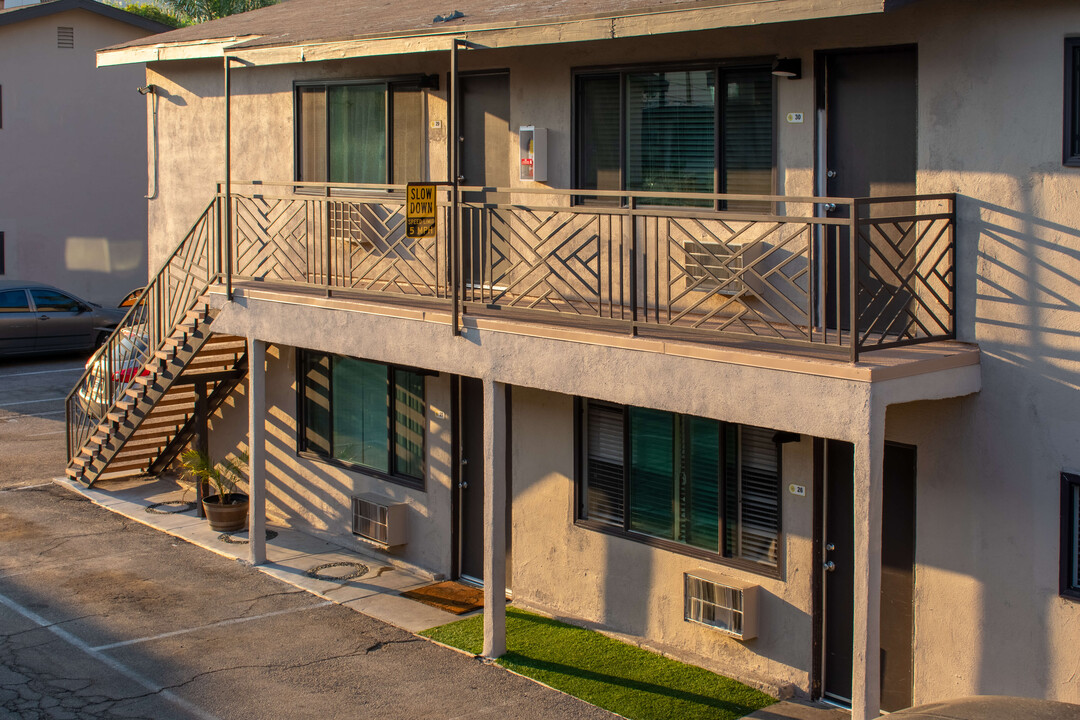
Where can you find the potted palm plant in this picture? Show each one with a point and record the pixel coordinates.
(225, 508)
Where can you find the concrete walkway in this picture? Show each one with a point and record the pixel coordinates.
(290, 555)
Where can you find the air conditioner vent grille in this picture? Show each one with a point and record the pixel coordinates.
(379, 520)
(729, 608)
(65, 37)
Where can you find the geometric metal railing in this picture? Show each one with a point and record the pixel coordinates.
(170, 294)
(870, 273)
(873, 273)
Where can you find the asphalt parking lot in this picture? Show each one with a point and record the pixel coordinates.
(32, 392)
(102, 617)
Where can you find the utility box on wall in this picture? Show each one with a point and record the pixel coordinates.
(533, 142)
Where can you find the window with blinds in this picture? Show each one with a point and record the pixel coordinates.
(1070, 535)
(702, 129)
(681, 479)
(363, 415)
(359, 133)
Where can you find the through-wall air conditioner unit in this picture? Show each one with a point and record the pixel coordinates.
(711, 265)
(726, 604)
(380, 520)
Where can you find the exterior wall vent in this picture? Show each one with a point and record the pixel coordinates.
(725, 604)
(380, 520)
(65, 37)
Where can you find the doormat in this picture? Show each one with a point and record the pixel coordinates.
(451, 596)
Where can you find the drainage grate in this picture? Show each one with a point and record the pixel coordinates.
(181, 506)
(359, 570)
(233, 538)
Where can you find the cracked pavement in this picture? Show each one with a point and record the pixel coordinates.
(101, 617)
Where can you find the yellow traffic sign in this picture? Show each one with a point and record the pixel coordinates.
(420, 210)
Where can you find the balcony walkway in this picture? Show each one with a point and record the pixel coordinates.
(823, 360)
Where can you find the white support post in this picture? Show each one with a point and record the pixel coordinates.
(494, 519)
(866, 631)
(257, 451)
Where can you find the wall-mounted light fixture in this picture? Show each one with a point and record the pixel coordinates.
(147, 89)
(790, 68)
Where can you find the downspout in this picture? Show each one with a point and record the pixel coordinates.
(151, 92)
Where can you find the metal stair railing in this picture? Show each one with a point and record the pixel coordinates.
(176, 289)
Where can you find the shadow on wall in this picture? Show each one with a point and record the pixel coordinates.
(1019, 286)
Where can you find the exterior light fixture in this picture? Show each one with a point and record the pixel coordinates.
(147, 89)
(790, 68)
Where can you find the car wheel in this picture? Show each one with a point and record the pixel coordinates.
(101, 338)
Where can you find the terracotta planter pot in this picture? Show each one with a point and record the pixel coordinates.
(227, 516)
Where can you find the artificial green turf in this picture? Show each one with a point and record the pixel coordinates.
(625, 679)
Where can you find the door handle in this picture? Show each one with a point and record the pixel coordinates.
(829, 207)
(463, 484)
(830, 174)
(828, 565)
(830, 547)
(43, 317)
(464, 461)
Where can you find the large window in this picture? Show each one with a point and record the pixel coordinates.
(701, 129)
(1071, 152)
(363, 415)
(1070, 535)
(681, 480)
(360, 133)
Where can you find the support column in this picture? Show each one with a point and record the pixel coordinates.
(257, 451)
(494, 519)
(866, 631)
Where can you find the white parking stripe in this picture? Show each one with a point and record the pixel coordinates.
(42, 372)
(112, 663)
(26, 415)
(231, 621)
(31, 402)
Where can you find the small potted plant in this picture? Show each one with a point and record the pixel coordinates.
(226, 509)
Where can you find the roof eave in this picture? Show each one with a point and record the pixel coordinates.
(255, 50)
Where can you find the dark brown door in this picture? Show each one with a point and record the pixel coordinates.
(471, 479)
(485, 161)
(869, 102)
(839, 585)
(898, 577)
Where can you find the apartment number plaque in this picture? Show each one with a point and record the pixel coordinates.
(420, 210)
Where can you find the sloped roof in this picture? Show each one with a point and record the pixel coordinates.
(51, 7)
(294, 23)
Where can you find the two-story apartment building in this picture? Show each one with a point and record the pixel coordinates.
(748, 330)
(72, 207)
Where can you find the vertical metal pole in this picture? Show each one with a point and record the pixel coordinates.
(202, 441)
(217, 237)
(853, 305)
(228, 183)
(454, 240)
(633, 266)
(954, 290)
(328, 224)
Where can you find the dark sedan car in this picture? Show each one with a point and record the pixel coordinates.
(38, 318)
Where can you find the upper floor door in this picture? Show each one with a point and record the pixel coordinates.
(867, 102)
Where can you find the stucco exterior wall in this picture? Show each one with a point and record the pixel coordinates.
(988, 615)
(316, 496)
(631, 588)
(72, 206)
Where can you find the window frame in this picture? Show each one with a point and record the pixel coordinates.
(581, 458)
(388, 83)
(1070, 555)
(718, 66)
(1071, 104)
(300, 361)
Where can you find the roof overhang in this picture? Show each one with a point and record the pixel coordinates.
(254, 50)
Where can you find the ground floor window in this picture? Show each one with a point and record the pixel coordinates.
(363, 415)
(686, 481)
(1070, 534)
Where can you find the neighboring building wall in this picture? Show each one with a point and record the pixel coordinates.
(72, 206)
(989, 619)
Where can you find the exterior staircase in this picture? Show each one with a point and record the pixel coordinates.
(147, 393)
